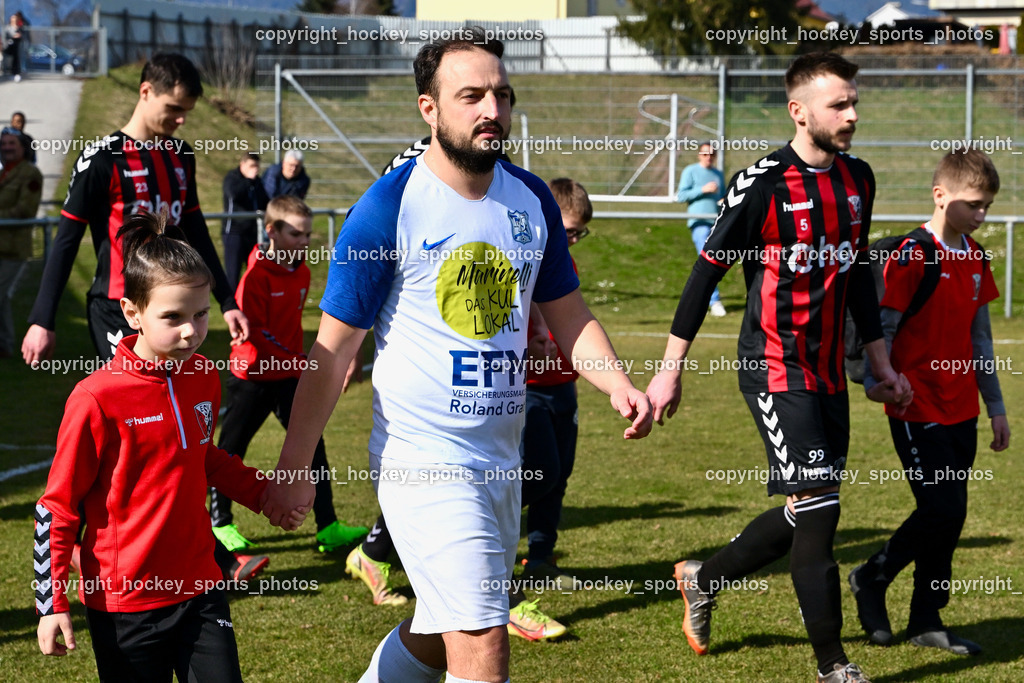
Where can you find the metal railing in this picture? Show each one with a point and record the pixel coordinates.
(1009, 222)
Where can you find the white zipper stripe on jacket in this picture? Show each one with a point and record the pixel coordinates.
(177, 413)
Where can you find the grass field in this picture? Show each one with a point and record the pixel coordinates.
(632, 509)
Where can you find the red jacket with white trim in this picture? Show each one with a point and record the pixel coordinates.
(272, 297)
(135, 454)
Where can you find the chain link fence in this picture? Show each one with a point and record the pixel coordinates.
(627, 136)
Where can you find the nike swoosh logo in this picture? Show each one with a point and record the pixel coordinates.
(435, 245)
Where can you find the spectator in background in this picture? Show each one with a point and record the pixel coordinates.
(21, 188)
(12, 45)
(287, 177)
(18, 123)
(703, 186)
(26, 38)
(243, 192)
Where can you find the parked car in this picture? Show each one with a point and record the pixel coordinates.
(40, 57)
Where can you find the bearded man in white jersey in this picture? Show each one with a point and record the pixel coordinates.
(442, 257)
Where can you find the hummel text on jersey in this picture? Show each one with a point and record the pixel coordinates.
(799, 206)
(136, 421)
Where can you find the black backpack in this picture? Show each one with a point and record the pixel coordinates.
(878, 253)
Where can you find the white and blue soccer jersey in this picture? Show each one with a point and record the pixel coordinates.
(446, 283)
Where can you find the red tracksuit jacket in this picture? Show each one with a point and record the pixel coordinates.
(135, 455)
(272, 297)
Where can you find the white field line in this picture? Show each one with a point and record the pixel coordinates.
(24, 469)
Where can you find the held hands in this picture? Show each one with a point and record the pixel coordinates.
(893, 389)
(238, 326)
(1000, 433)
(710, 187)
(540, 346)
(287, 504)
(51, 626)
(634, 405)
(665, 391)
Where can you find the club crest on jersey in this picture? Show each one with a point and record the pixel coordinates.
(977, 285)
(180, 172)
(855, 209)
(520, 221)
(204, 414)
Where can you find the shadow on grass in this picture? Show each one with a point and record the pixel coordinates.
(758, 640)
(31, 484)
(641, 596)
(580, 517)
(20, 623)
(855, 554)
(1002, 640)
(18, 511)
(652, 582)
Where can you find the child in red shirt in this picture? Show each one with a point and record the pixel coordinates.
(265, 369)
(134, 455)
(945, 350)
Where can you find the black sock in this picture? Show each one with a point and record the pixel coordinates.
(765, 540)
(225, 558)
(816, 577)
(378, 545)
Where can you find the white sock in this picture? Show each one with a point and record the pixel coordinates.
(393, 663)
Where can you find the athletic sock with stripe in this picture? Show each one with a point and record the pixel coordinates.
(816, 577)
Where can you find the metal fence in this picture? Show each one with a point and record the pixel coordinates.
(994, 225)
(626, 136)
(137, 28)
(66, 50)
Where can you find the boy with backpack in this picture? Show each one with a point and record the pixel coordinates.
(938, 284)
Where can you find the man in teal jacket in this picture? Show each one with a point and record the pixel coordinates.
(703, 186)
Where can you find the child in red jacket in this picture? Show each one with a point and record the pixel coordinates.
(134, 458)
(945, 350)
(265, 369)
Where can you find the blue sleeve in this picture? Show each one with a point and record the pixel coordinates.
(556, 276)
(721, 185)
(365, 255)
(687, 190)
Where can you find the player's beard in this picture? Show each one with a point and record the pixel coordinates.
(466, 156)
(829, 142)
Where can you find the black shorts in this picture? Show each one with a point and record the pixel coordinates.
(806, 437)
(106, 325)
(194, 639)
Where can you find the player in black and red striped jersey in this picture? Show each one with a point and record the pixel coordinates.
(138, 168)
(798, 219)
(945, 348)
